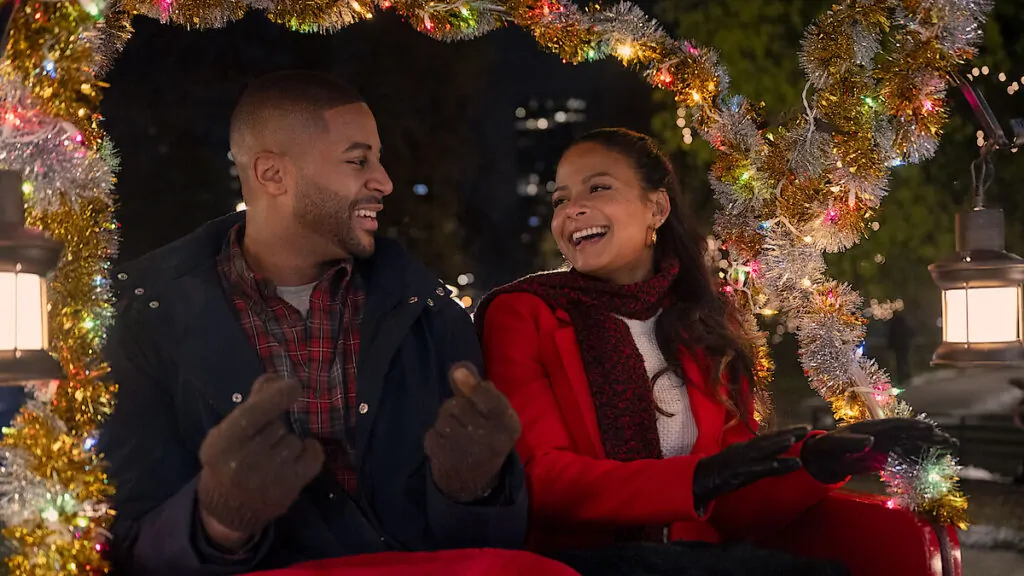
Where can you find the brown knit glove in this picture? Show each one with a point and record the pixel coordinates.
(474, 433)
(253, 467)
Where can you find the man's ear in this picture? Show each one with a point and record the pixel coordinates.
(272, 172)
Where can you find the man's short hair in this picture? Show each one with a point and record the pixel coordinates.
(298, 95)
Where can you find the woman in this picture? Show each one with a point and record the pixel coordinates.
(631, 379)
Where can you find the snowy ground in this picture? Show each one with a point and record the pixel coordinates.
(964, 392)
(994, 545)
(992, 563)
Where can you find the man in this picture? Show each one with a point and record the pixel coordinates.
(283, 374)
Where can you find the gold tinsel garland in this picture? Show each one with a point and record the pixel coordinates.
(788, 194)
(57, 520)
(78, 309)
(66, 516)
(822, 187)
(55, 63)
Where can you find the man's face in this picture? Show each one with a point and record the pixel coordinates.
(340, 183)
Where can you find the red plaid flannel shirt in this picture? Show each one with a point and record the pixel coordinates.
(320, 350)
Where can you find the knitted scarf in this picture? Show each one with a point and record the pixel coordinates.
(622, 392)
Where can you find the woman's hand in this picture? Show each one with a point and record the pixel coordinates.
(865, 446)
(744, 463)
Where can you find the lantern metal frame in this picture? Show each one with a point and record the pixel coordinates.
(980, 262)
(981, 259)
(24, 251)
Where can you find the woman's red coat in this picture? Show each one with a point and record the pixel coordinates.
(577, 495)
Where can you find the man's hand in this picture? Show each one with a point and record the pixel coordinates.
(253, 467)
(864, 447)
(744, 463)
(474, 433)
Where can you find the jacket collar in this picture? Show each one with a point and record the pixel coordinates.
(390, 273)
(180, 285)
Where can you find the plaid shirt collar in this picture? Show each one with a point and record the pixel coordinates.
(257, 289)
(320, 349)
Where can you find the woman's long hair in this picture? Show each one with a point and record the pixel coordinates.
(697, 317)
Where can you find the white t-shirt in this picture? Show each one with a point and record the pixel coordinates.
(297, 296)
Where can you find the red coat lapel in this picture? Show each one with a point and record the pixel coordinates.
(573, 393)
(708, 412)
(573, 396)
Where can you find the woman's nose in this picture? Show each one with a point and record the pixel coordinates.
(577, 210)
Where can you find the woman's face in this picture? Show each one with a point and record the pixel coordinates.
(603, 217)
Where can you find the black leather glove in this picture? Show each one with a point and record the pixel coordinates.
(864, 447)
(744, 463)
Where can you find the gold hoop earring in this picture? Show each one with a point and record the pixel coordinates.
(654, 237)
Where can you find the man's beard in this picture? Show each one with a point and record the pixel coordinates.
(319, 210)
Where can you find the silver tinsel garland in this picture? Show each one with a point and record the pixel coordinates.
(958, 24)
(883, 136)
(912, 482)
(866, 45)
(790, 260)
(59, 172)
(828, 357)
(790, 265)
(919, 147)
(812, 150)
(51, 154)
(626, 23)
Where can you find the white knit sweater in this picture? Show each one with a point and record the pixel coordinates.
(677, 432)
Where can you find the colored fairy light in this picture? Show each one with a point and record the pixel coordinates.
(792, 250)
(832, 215)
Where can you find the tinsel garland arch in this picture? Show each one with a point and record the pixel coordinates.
(877, 74)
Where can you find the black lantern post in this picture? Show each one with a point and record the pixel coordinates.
(982, 294)
(27, 257)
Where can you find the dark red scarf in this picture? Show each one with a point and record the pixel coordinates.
(622, 392)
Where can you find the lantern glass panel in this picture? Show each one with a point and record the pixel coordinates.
(981, 315)
(22, 312)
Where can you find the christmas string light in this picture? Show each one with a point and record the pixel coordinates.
(198, 14)
(47, 452)
(53, 487)
(50, 52)
(872, 109)
(787, 195)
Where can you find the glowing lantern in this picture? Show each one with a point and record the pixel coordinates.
(26, 258)
(982, 320)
